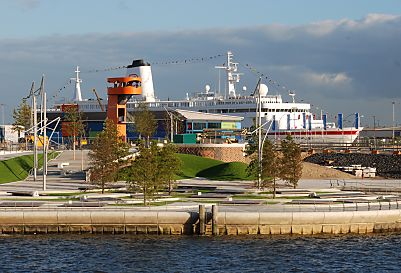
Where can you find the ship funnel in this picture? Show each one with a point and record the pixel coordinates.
(77, 93)
(143, 69)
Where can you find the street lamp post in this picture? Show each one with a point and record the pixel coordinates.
(393, 120)
(374, 132)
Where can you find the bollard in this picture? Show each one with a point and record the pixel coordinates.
(215, 229)
(202, 214)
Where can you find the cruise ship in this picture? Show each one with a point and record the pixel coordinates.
(277, 117)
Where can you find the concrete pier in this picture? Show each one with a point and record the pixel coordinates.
(179, 222)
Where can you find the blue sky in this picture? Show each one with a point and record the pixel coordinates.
(32, 18)
(332, 53)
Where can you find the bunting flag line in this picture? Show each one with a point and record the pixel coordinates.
(270, 81)
(68, 82)
(171, 62)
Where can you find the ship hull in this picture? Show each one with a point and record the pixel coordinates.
(332, 136)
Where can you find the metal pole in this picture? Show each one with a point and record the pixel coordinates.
(44, 135)
(82, 154)
(171, 127)
(35, 134)
(393, 122)
(259, 138)
(374, 132)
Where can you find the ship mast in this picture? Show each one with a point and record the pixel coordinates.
(232, 76)
(77, 93)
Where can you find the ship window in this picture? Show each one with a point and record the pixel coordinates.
(199, 125)
(214, 125)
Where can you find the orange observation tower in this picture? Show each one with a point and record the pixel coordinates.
(120, 91)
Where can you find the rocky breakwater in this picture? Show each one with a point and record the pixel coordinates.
(387, 166)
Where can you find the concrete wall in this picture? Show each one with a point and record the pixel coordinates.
(97, 221)
(169, 222)
(224, 152)
(307, 223)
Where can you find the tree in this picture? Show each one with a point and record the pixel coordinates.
(143, 174)
(22, 117)
(145, 122)
(291, 161)
(253, 168)
(74, 124)
(106, 153)
(271, 167)
(170, 164)
(153, 170)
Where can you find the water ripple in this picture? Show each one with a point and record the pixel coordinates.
(126, 253)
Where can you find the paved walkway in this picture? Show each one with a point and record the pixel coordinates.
(4, 155)
(57, 181)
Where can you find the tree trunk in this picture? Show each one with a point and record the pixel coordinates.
(73, 146)
(82, 156)
(274, 188)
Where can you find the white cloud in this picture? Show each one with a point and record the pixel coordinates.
(328, 78)
(327, 27)
(27, 4)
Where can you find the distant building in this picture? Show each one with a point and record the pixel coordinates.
(381, 133)
(211, 128)
(7, 134)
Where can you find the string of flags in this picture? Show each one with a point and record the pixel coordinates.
(61, 89)
(188, 61)
(270, 81)
(105, 69)
(171, 62)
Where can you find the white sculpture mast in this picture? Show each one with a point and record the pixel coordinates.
(77, 93)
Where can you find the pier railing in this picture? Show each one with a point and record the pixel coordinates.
(294, 206)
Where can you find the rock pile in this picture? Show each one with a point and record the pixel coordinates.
(388, 166)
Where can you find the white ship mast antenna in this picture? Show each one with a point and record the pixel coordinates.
(233, 76)
(292, 94)
(77, 93)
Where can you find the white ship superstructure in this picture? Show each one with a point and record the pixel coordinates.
(282, 118)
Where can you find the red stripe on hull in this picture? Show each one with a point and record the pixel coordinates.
(315, 133)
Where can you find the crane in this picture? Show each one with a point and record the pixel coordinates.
(98, 99)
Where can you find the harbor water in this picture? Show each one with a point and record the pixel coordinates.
(130, 253)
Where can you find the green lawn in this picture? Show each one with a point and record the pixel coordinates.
(196, 166)
(192, 165)
(17, 168)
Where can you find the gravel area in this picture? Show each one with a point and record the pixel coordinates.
(315, 171)
(387, 166)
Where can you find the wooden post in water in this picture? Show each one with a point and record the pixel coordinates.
(202, 220)
(215, 229)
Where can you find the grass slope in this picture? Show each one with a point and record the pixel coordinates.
(226, 171)
(17, 168)
(196, 166)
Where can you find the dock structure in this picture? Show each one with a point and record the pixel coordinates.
(202, 222)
